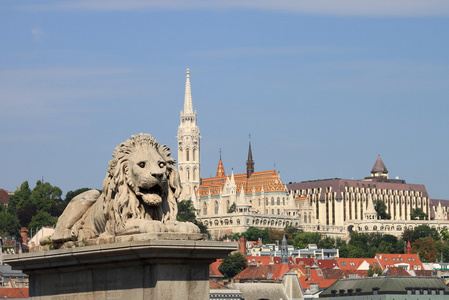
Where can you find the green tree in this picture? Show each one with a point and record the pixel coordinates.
(253, 234)
(303, 239)
(41, 219)
(186, 213)
(418, 214)
(381, 209)
(9, 225)
(233, 264)
(232, 208)
(423, 231)
(44, 196)
(291, 232)
(426, 249)
(374, 271)
(20, 198)
(327, 243)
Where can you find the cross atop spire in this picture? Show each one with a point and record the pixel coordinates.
(220, 168)
(188, 106)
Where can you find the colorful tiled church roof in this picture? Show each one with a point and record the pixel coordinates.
(268, 181)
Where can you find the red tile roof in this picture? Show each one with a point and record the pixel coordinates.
(350, 263)
(14, 293)
(254, 272)
(213, 269)
(268, 180)
(263, 260)
(326, 263)
(305, 261)
(397, 271)
(216, 285)
(4, 196)
(392, 260)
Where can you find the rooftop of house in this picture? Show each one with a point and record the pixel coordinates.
(384, 285)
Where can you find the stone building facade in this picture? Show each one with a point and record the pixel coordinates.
(339, 206)
(260, 198)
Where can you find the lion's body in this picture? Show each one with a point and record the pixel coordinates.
(140, 194)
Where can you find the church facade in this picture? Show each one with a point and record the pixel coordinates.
(334, 207)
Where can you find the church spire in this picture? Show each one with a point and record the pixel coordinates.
(188, 146)
(220, 168)
(188, 106)
(250, 161)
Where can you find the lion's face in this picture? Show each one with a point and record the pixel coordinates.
(147, 175)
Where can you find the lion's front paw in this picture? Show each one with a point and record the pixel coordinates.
(152, 226)
(182, 227)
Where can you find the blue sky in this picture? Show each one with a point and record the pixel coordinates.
(322, 86)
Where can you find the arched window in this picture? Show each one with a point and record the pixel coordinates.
(194, 154)
(187, 155)
(204, 208)
(278, 202)
(305, 218)
(216, 207)
(272, 201)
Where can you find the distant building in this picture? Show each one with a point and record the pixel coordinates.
(4, 197)
(338, 206)
(381, 288)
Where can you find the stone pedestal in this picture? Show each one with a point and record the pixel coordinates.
(153, 269)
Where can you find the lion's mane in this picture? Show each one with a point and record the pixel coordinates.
(121, 203)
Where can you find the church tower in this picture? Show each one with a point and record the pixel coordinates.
(188, 146)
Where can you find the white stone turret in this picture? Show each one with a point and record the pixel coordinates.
(188, 145)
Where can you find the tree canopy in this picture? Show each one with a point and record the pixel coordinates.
(381, 209)
(233, 264)
(186, 213)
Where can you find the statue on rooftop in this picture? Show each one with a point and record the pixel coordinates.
(139, 195)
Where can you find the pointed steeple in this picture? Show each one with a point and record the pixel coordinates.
(284, 251)
(379, 169)
(250, 161)
(408, 250)
(220, 168)
(370, 212)
(188, 106)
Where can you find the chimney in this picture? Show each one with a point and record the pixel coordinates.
(242, 246)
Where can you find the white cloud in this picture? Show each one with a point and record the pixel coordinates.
(321, 7)
(37, 34)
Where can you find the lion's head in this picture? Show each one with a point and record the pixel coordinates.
(142, 183)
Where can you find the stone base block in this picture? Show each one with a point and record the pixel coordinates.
(155, 269)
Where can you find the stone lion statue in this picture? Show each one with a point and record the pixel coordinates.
(140, 195)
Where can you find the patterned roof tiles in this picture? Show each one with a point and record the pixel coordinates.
(269, 181)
